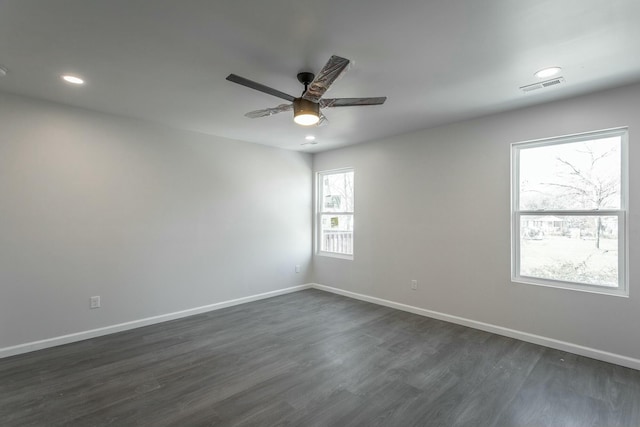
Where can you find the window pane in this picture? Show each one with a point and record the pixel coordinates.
(582, 249)
(336, 234)
(337, 192)
(576, 175)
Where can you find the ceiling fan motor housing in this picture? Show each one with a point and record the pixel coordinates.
(305, 78)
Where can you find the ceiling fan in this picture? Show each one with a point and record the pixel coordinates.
(306, 108)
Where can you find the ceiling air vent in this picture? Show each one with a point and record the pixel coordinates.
(542, 85)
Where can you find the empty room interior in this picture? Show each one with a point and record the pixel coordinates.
(303, 213)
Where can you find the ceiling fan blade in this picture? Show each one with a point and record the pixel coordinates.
(260, 87)
(325, 78)
(323, 119)
(350, 102)
(269, 111)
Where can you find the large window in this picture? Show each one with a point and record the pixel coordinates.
(335, 213)
(569, 209)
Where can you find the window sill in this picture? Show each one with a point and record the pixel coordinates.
(614, 292)
(335, 255)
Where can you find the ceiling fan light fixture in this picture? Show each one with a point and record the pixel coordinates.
(305, 113)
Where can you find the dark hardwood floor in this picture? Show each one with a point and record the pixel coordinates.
(313, 359)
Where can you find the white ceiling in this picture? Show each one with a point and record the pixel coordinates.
(436, 61)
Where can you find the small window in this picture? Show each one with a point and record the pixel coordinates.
(334, 220)
(569, 212)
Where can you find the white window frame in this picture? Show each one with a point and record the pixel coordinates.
(318, 217)
(622, 213)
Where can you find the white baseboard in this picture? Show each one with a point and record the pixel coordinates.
(93, 333)
(512, 333)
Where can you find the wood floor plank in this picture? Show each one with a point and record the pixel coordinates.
(312, 358)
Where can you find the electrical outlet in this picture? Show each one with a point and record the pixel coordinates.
(298, 268)
(94, 302)
(414, 285)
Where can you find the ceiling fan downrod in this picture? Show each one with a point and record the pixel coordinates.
(305, 78)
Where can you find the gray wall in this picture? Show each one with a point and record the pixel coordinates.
(153, 220)
(435, 206)
(157, 220)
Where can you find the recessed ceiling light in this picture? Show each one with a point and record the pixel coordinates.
(3, 71)
(547, 72)
(309, 137)
(72, 79)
